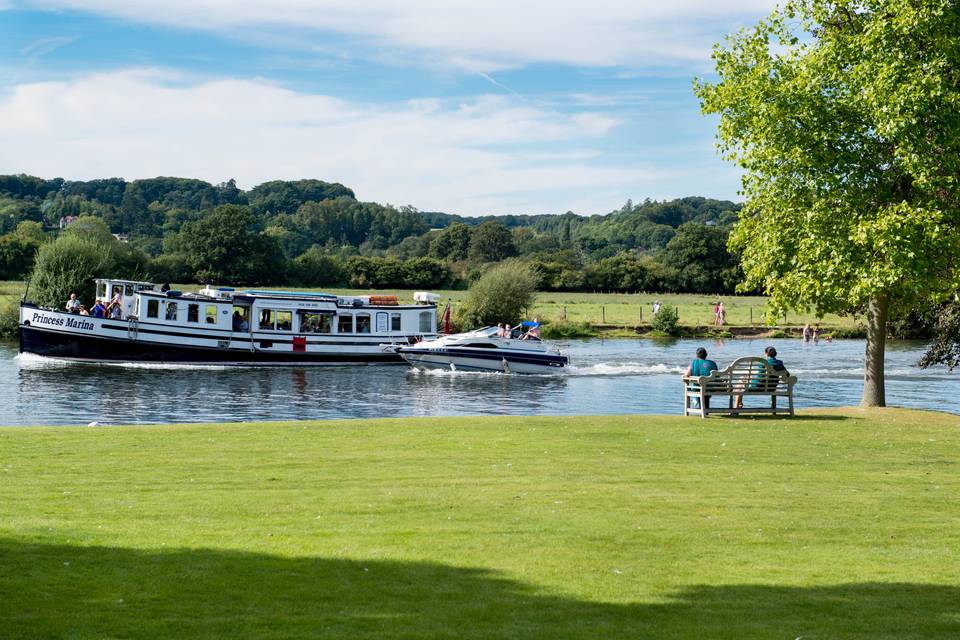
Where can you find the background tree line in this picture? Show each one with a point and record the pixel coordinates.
(314, 233)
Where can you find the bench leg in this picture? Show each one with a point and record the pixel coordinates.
(703, 404)
(773, 404)
(790, 399)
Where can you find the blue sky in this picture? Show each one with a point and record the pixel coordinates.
(466, 107)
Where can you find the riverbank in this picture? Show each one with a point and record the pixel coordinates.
(609, 314)
(834, 524)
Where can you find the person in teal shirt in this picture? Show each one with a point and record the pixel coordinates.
(765, 381)
(701, 367)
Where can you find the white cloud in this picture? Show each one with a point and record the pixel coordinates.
(477, 34)
(486, 155)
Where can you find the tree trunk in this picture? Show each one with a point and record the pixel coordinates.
(874, 394)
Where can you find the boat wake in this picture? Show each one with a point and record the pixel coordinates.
(597, 370)
(625, 369)
(34, 361)
(448, 373)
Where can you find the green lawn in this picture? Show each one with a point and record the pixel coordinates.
(840, 525)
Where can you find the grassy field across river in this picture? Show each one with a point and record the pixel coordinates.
(825, 526)
(626, 310)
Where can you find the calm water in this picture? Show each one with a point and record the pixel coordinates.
(607, 376)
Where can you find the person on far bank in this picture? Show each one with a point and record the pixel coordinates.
(700, 366)
(73, 305)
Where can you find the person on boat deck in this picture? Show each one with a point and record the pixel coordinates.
(115, 308)
(99, 311)
(533, 332)
(700, 366)
(73, 305)
(759, 383)
(165, 287)
(83, 311)
(499, 333)
(237, 320)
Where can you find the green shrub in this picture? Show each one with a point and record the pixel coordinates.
(856, 333)
(502, 294)
(67, 266)
(9, 320)
(666, 321)
(559, 330)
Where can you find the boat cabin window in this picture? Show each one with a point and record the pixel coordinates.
(128, 290)
(394, 322)
(171, 311)
(193, 313)
(426, 324)
(153, 308)
(266, 320)
(345, 323)
(313, 322)
(211, 314)
(276, 320)
(363, 323)
(101, 290)
(117, 290)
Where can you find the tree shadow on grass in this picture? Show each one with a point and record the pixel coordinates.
(59, 591)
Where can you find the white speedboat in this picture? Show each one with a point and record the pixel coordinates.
(483, 350)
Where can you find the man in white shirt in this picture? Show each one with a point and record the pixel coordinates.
(73, 305)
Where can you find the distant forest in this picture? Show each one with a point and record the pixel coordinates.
(315, 233)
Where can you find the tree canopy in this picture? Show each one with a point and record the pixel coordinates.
(320, 227)
(845, 117)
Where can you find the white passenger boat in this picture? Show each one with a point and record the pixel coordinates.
(483, 350)
(225, 326)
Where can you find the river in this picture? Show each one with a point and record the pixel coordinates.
(617, 376)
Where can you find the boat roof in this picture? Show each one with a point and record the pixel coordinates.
(310, 295)
(122, 281)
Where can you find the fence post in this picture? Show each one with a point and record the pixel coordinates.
(603, 315)
(751, 316)
(641, 314)
(563, 314)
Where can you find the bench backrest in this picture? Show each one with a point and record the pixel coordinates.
(748, 375)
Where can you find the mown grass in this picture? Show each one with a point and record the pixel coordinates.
(632, 309)
(840, 525)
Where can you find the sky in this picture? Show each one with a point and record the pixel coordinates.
(475, 108)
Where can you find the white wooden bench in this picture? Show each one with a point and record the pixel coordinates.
(745, 377)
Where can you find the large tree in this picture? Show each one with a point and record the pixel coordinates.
(491, 242)
(226, 247)
(845, 118)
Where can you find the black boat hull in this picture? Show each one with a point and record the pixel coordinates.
(93, 348)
